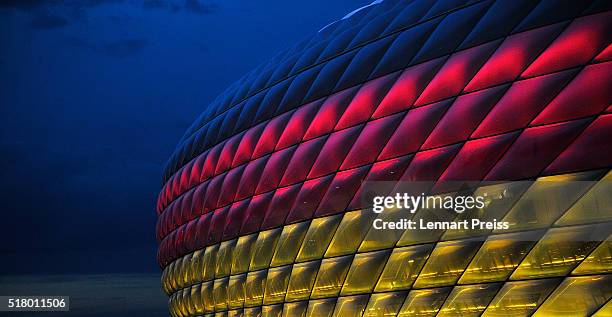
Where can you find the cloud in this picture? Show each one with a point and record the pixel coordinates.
(26, 4)
(118, 48)
(33, 4)
(196, 6)
(155, 4)
(122, 48)
(47, 21)
(201, 7)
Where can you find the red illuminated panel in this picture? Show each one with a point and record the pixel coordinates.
(587, 149)
(577, 45)
(297, 125)
(302, 161)
(270, 135)
(385, 171)
(250, 178)
(605, 55)
(407, 88)
(588, 94)
(463, 117)
(476, 157)
(283, 200)
(273, 171)
(429, 165)
(308, 199)
(228, 190)
(523, 101)
(329, 113)
(513, 56)
(341, 191)
(413, 130)
(455, 73)
(226, 156)
(255, 213)
(370, 142)
(534, 149)
(247, 145)
(235, 218)
(365, 101)
(334, 151)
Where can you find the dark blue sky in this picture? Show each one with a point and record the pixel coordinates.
(94, 94)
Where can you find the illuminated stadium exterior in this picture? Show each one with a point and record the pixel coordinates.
(260, 212)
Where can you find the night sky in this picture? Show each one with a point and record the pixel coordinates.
(94, 96)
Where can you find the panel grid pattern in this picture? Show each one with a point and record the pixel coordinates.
(194, 280)
(517, 17)
(261, 213)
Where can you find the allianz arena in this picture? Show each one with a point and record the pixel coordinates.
(260, 211)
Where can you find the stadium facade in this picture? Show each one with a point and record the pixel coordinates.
(260, 213)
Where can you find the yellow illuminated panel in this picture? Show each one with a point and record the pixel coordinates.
(220, 293)
(557, 253)
(499, 198)
(165, 280)
(254, 288)
(264, 248)
(187, 302)
(190, 269)
(410, 237)
(331, 276)
(547, 199)
(209, 262)
(318, 237)
(224, 258)
(173, 306)
(196, 299)
(243, 253)
(520, 298)
(295, 309)
(302, 279)
(424, 303)
(385, 304)
(321, 307)
(272, 311)
(170, 276)
(286, 250)
(446, 263)
(403, 267)
(186, 270)
(364, 272)
(182, 303)
(577, 296)
(311, 269)
(196, 267)
(594, 206)
(178, 281)
(252, 312)
(176, 274)
(350, 232)
(235, 313)
(206, 291)
(499, 256)
(599, 261)
(276, 284)
(381, 239)
(351, 306)
(468, 300)
(236, 290)
(605, 311)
